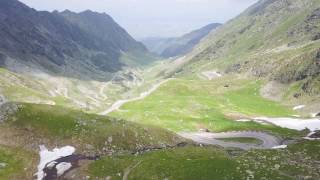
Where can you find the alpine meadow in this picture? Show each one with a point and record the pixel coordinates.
(85, 95)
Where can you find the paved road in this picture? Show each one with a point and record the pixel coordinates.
(268, 140)
(119, 103)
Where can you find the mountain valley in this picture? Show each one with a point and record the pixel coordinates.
(82, 99)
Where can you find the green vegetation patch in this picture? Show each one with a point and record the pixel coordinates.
(15, 164)
(83, 130)
(248, 100)
(183, 163)
(299, 161)
(190, 105)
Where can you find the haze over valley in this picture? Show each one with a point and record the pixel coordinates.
(181, 90)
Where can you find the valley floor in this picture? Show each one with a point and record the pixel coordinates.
(221, 115)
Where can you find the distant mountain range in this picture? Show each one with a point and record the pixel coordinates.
(171, 47)
(67, 43)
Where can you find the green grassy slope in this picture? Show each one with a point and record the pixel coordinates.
(16, 163)
(269, 40)
(211, 163)
(26, 126)
(190, 105)
(54, 125)
(277, 40)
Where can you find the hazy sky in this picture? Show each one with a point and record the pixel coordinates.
(158, 18)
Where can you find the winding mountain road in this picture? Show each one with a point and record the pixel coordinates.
(102, 89)
(119, 103)
(268, 141)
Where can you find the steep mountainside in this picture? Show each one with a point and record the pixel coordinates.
(172, 47)
(101, 26)
(67, 44)
(58, 71)
(275, 39)
(79, 60)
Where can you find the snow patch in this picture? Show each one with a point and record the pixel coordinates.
(243, 120)
(292, 123)
(210, 75)
(280, 147)
(299, 107)
(47, 156)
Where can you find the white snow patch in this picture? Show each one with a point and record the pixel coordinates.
(47, 156)
(292, 123)
(299, 107)
(211, 74)
(243, 120)
(314, 115)
(63, 167)
(280, 147)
